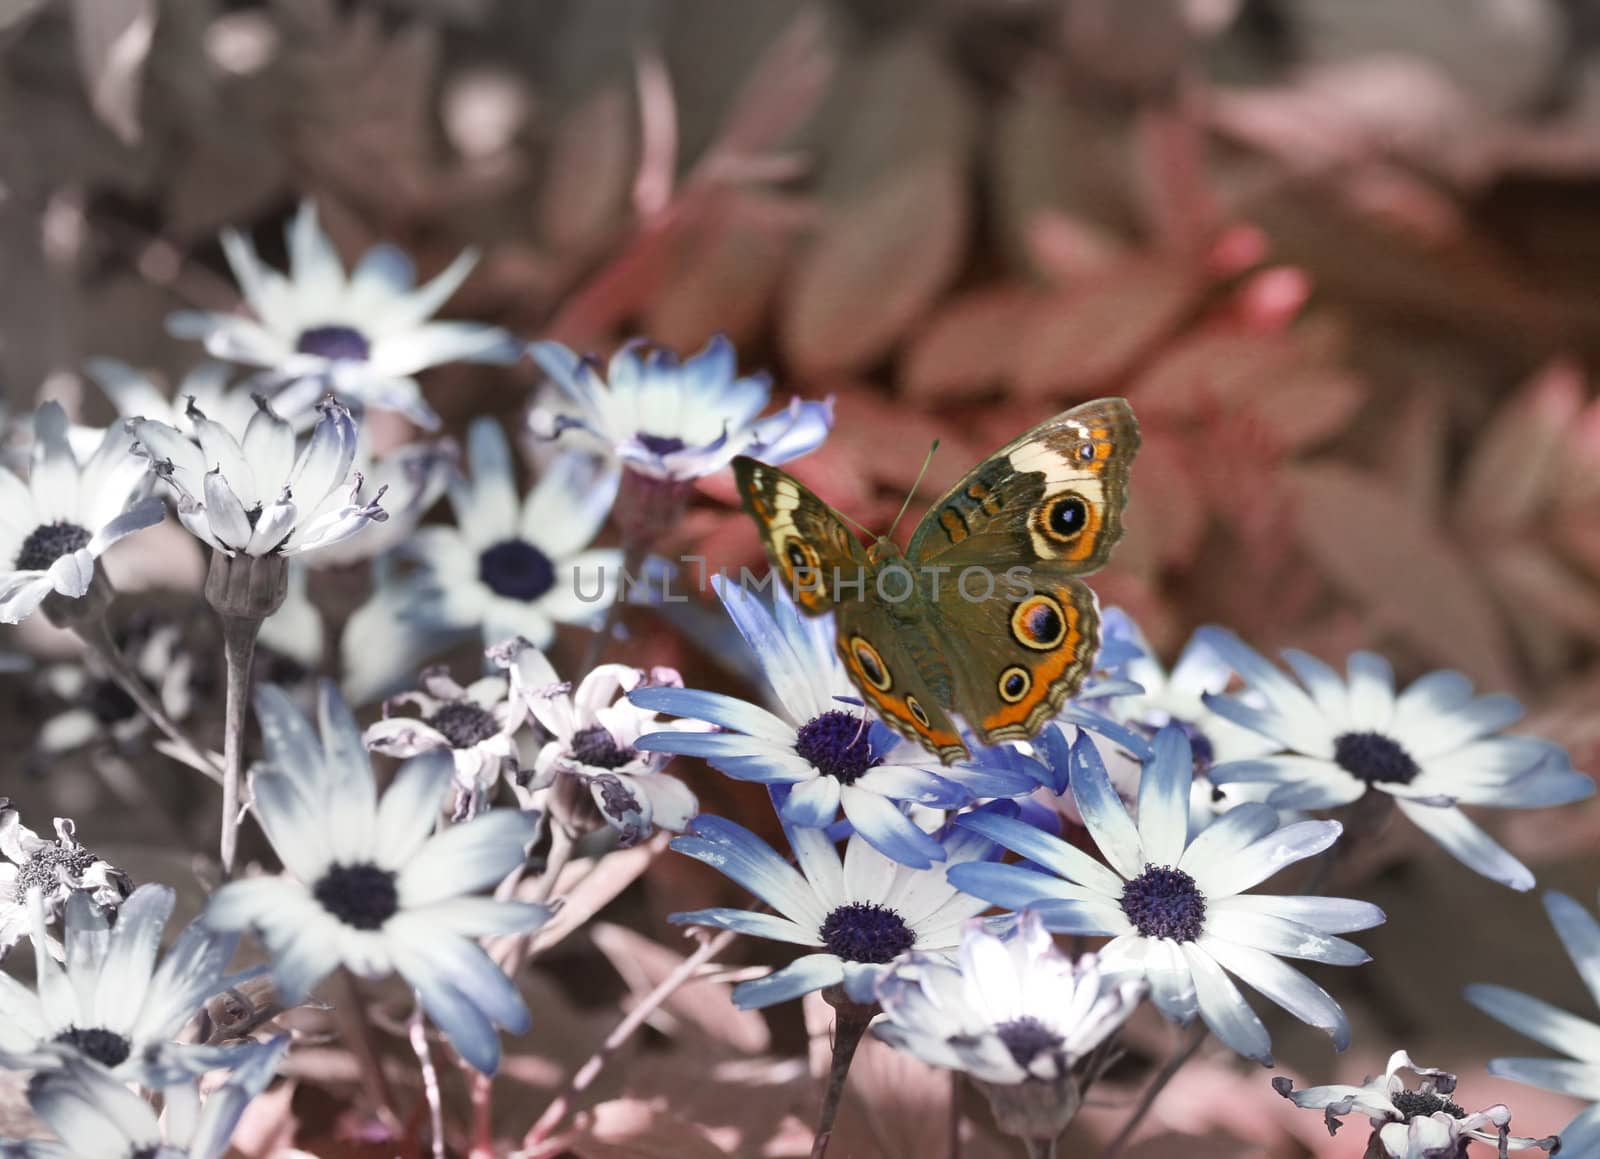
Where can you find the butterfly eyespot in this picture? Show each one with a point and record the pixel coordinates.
(800, 556)
(1038, 623)
(870, 664)
(1086, 452)
(1063, 517)
(1014, 684)
(918, 713)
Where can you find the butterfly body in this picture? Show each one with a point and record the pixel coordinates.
(983, 614)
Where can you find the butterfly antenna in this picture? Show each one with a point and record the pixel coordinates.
(925, 462)
(861, 527)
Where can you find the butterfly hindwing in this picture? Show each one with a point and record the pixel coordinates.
(1022, 657)
(894, 658)
(808, 544)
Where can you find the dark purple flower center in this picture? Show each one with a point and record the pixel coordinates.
(106, 1047)
(1375, 758)
(660, 444)
(1421, 1104)
(1027, 1038)
(865, 932)
(838, 744)
(596, 747)
(1164, 902)
(48, 864)
(48, 543)
(360, 895)
(335, 343)
(463, 723)
(517, 570)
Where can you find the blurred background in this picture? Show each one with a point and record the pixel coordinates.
(1342, 255)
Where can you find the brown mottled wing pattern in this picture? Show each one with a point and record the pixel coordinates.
(808, 544)
(1008, 543)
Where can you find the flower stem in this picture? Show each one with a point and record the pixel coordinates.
(350, 1012)
(1191, 1047)
(239, 645)
(849, 1027)
(1040, 1148)
(96, 636)
(418, 1029)
(590, 1070)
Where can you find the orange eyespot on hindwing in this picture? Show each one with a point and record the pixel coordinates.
(870, 664)
(1014, 684)
(1039, 623)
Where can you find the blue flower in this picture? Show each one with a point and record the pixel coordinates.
(511, 566)
(676, 420)
(1579, 1038)
(820, 747)
(362, 336)
(1431, 748)
(1174, 908)
(111, 1001)
(859, 913)
(370, 885)
(1010, 1009)
(94, 1114)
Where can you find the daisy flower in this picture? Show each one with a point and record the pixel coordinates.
(1420, 1122)
(136, 396)
(1579, 1038)
(411, 478)
(476, 725)
(592, 733)
(94, 1114)
(250, 493)
(58, 869)
(56, 525)
(1178, 696)
(673, 420)
(112, 1002)
(1175, 909)
(362, 336)
(1011, 1009)
(96, 707)
(369, 886)
(858, 913)
(819, 747)
(1431, 748)
(514, 566)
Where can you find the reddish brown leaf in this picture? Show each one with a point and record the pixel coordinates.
(1516, 461)
(960, 352)
(1412, 580)
(590, 170)
(876, 265)
(1079, 342)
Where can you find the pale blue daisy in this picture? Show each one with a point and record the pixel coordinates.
(1432, 748)
(671, 419)
(95, 1116)
(1579, 1038)
(858, 913)
(1175, 908)
(362, 336)
(370, 886)
(819, 747)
